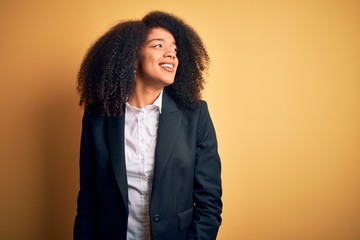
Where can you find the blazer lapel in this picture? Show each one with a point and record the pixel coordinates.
(115, 140)
(168, 128)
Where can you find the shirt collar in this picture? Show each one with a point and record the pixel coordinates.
(158, 101)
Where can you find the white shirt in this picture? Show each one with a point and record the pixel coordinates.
(141, 127)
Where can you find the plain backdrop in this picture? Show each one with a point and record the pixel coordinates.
(283, 90)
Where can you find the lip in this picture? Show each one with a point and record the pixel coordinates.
(168, 69)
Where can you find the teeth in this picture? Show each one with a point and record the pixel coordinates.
(167, 65)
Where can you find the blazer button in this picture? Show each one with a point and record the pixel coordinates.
(156, 218)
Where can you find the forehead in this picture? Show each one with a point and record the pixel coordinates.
(160, 34)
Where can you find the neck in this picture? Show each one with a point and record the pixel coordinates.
(143, 96)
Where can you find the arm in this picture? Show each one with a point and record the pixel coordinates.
(207, 181)
(85, 223)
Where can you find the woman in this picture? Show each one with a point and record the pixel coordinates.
(149, 166)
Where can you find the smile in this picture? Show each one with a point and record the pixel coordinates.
(167, 65)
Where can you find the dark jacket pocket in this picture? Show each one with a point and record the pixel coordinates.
(185, 219)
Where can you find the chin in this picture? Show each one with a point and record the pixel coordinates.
(168, 82)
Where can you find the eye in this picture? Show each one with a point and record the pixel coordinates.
(175, 50)
(157, 46)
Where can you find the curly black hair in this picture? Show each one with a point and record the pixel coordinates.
(106, 78)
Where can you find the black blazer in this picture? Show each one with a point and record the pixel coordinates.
(186, 194)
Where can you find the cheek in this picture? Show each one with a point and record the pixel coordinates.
(147, 67)
(177, 65)
(148, 61)
(143, 63)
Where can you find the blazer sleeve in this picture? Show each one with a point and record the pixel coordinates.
(207, 181)
(85, 224)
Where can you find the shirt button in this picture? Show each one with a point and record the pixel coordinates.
(156, 218)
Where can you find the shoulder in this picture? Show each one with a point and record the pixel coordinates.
(92, 116)
(204, 115)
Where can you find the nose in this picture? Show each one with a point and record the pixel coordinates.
(170, 54)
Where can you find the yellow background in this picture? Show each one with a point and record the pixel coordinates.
(283, 90)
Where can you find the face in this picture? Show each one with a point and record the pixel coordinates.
(158, 62)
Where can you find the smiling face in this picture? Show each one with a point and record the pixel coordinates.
(158, 62)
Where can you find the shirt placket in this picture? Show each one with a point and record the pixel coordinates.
(144, 196)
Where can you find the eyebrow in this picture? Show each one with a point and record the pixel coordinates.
(158, 39)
